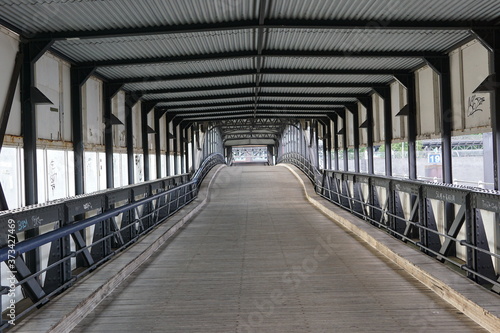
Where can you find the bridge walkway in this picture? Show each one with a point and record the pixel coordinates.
(260, 258)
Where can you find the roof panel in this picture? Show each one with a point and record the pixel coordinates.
(384, 11)
(359, 40)
(207, 93)
(332, 79)
(327, 107)
(192, 83)
(154, 46)
(70, 15)
(343, 63)
(307, 99)
(307, 90)
(245, 100)
(213, 108)
(207, 66)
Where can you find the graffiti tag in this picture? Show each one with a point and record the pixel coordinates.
(474, 105)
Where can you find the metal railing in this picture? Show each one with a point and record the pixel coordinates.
(459, 238)
(119, 217)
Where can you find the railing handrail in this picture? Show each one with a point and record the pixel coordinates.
(91, 194)
(35, 242)
(336, 186)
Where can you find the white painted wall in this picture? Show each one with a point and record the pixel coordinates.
(119, 131)
(163, 135)
(363, 135)
(93, 113)
(398, 101)
(8, 49)
(428, 103)
(470, 65)
(136, 128)
(350, 129)
(52, 78)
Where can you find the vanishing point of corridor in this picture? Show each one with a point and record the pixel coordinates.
(260, 258)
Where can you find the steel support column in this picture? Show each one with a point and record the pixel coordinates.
(4, 116)
(145, 109)
(167, 125)
(409, 82)
(316, 141)
(176, 167)
(344, 139)
(325, 146)
(110, 91)
(186, 148)
(385, 93)
(130, 101)
(31, 53)
(78, 78)
(368, 103)
(157, 115)
(442, 68)
(355, 128)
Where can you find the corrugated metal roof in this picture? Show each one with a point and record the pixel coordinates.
(122, 72)
(207, 109)
(70, 15)
(191, 30)
(333, 79)
(307, 90)
(327, 107)
(201, 113)
(347, 62)
(209, 101)
(154, 46)
(358, 40)
(383, 10)
(199, 93)
(201, 82)
(307, 99)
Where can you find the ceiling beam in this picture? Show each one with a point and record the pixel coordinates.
(271, 102)
(260, 54)
(247, 110)
(260, 115)
(254, 24)
(233, 96)
(262, 85)
(250, 106)
(267, 71)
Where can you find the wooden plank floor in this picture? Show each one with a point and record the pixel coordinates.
(260, 258)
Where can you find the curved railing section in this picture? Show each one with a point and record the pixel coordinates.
(304, 164)
(118, 218)
(452, 223)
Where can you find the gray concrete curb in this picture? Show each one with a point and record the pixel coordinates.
(65, 311)
(480, 305)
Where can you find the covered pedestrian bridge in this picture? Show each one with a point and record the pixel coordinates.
(127, 200)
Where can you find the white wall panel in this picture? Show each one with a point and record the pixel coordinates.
(137, 129)
(350, 129)
(92, 112)
(470, 65)
(8, 50)
(163, 133)
(363, 135)
(428, 108)
(65, 100)
(119, 131)
(398, 101)
(47, 80)
(151, 137)
(340, 137)
(476, 69)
